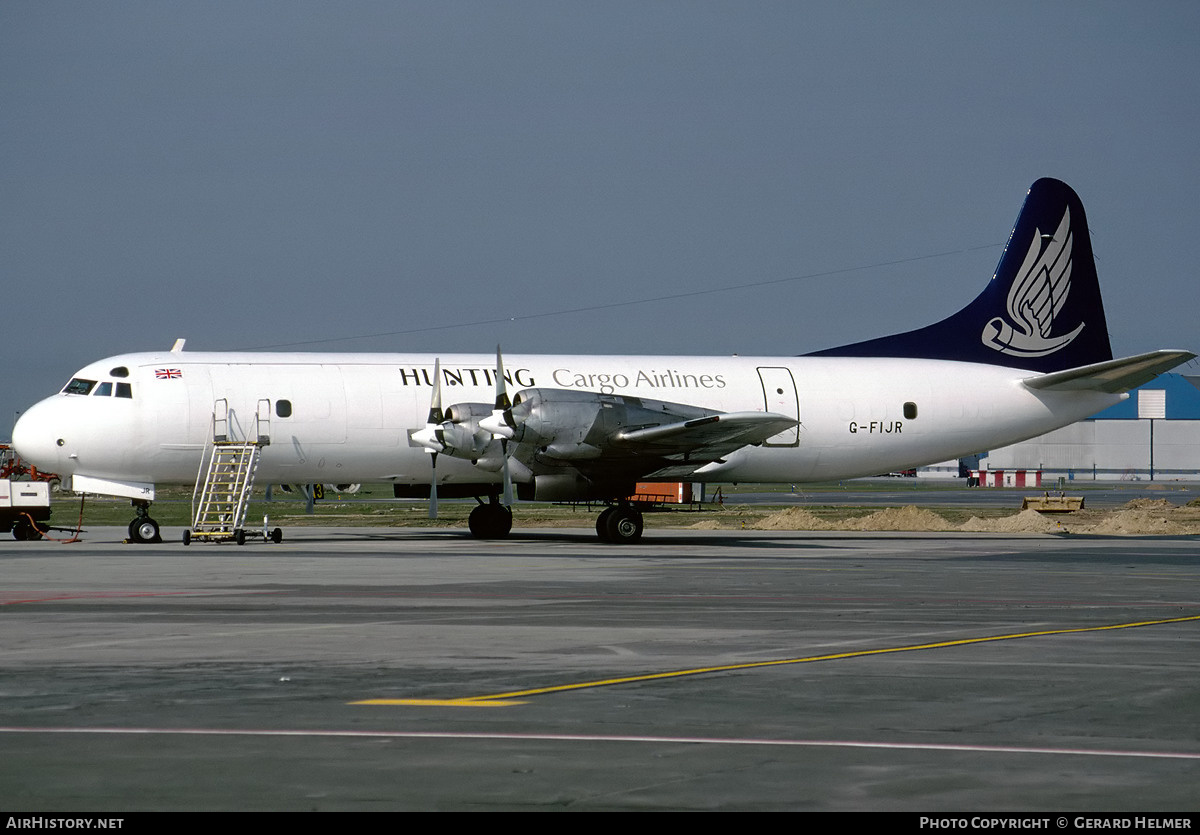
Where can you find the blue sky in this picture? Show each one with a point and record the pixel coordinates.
(250, 174)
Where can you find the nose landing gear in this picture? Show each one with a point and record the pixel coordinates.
(143, 529)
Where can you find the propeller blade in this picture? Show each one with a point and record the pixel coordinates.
(502, 415)
(435, 402)
(500, 423)
(508, 488)
(433, 507)
(503, 404)
(430, 437)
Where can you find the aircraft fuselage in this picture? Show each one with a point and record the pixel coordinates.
(343, 418)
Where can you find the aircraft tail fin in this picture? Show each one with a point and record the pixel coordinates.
(1041, 311)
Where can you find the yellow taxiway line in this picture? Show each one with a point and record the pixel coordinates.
(517, 697)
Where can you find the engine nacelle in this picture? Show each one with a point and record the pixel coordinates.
(571, 425)
(573, 487)
(461, 434)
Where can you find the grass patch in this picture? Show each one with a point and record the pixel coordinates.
(374, 506)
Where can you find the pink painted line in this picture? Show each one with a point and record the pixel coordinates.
(8, 598)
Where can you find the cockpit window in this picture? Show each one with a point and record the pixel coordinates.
(125, 390)
(120, 371)
(79, 386)
(103, 390)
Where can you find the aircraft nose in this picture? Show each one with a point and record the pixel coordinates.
(36, 439)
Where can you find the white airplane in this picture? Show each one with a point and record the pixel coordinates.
(1030, 354)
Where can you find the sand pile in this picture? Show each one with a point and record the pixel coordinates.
(1144, 520)
(1153, 517)
(1027, 521)
(794, 519)
(1161, 505)
(889, 519)
(908, 518)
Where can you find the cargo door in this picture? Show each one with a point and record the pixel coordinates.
(780, 397)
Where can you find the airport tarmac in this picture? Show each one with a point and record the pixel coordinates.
(694, 670)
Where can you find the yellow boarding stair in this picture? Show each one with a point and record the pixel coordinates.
(221, 498)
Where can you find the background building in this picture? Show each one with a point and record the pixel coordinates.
(1154, 435)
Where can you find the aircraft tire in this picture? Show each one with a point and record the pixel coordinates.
(602, 523)
(503, 523)
(624, 526)
(476, 522)
(144, 529)
(490, 521)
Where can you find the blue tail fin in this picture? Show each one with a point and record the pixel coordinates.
(1041, 311)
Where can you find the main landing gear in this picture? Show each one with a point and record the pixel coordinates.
(490, 521)
(143, 528)
(620, 524)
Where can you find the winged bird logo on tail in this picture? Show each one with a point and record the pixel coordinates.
(1036, 297)
(1041, 311)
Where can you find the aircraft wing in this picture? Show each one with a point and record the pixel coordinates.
(557, 433)
(612, 436)
(707, 437)
(1112, 376)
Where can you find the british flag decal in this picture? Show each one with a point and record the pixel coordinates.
(167, 373)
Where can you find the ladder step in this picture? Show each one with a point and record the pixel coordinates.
(222, 499)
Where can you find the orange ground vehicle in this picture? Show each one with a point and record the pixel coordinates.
(12, 467)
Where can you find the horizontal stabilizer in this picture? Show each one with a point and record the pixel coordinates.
(711, 435)
(1113, 376)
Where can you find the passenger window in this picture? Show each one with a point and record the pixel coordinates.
(79, 386)
(910, 410)
(125, 390)
(103, 390)
(283, 408)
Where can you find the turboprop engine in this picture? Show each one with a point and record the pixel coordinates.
(460, 433)
(569, 445)
(578, 426)
(473, 431)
